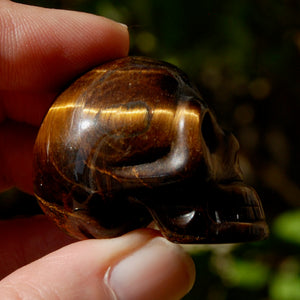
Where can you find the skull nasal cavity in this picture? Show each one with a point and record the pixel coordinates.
(210, 132)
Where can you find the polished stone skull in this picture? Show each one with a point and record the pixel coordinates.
(132, 142)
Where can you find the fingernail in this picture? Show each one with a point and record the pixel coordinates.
(123, 25)
(158, 270)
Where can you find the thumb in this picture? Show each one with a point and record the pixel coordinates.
(138, 265)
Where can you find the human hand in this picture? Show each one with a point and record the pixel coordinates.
(41, 51)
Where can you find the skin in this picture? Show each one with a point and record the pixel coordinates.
(41, 52)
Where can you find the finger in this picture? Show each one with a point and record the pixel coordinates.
(25, 107)
(42, 49)
(16, 155)
(27, 239)
(139, 265)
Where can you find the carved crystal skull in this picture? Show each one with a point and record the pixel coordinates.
(132, 141)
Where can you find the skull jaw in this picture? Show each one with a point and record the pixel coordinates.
(227, 232)
(224, 214)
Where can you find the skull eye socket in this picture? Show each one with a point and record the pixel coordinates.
(211, 132)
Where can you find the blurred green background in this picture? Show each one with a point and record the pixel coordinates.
(244, 57)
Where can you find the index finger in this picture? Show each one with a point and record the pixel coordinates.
(41, 49)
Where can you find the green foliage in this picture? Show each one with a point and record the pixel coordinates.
(287, 227)
(249, 274)
(285, 286)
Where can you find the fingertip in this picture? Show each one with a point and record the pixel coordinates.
(158, 270)
(45, 48)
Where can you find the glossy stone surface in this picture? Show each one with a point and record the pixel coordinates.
(132, 141)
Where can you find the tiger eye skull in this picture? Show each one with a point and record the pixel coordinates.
(132, 142)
